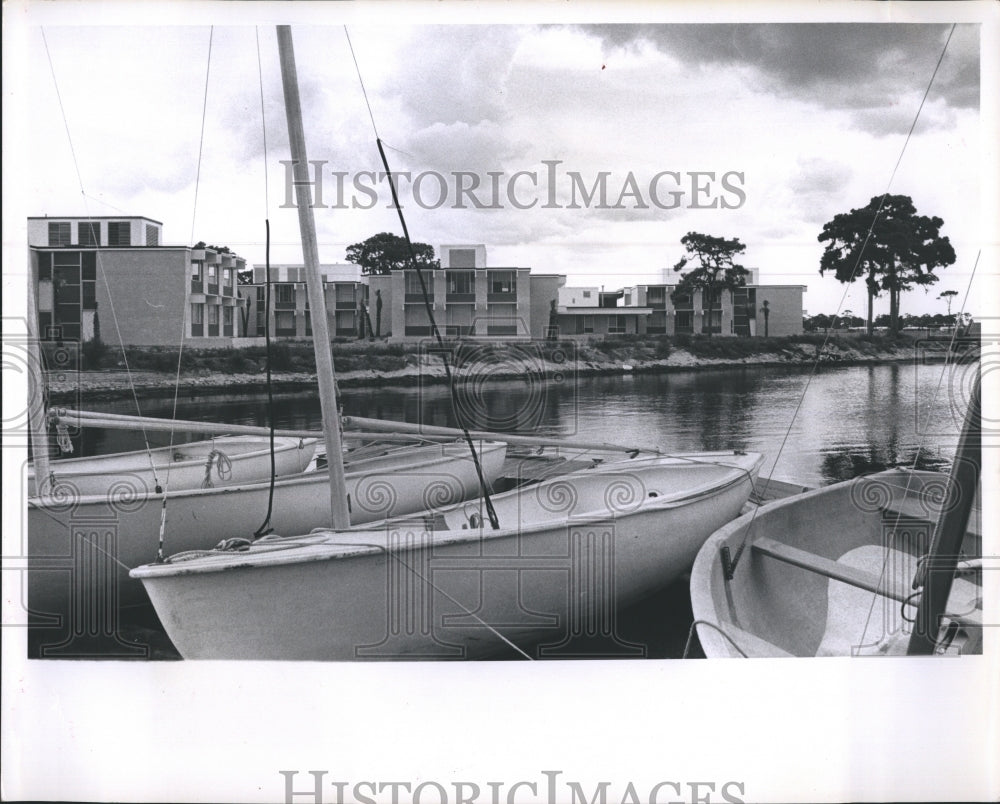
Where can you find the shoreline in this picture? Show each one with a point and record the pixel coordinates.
(114, 384)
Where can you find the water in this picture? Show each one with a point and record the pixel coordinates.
(814, 428)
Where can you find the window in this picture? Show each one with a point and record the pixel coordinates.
(413, 284)
(586, 294)
(90, 233)
(502, 282)
(44, 266)
(227, 277)
(119, 233)
(213, 314)
(59, 234)
(284, 296)
(152, 235)
(227, 320)
(197, 271)
(212, 274)
(197, 319)
(284, 323)
(461, 282)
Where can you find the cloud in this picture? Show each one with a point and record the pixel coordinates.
(858, 67)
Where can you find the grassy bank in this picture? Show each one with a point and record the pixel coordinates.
(361, 363)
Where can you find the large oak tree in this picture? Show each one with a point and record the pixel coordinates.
(714, 271)
(888, 244)
(386, 252)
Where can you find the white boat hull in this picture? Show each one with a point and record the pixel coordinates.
(589, 544)
(873, 528)
(225, 461)
(80, 549)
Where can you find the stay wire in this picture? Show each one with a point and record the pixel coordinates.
(490, 510)
(812, 371)
(484, 485)
(100, 263)
(265, 526)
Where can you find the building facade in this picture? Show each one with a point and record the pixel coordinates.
(113, 277)
(468, 299)
(344, 289)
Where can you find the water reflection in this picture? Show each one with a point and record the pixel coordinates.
(817, 427)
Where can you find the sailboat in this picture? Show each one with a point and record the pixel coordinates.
(884, 564)
(546, 563)
(223, 461)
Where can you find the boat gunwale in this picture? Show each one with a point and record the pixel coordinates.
(269, 554)
(304, 477)
(288, 442)
(702, 586)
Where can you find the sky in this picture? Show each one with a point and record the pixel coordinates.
(758, 131)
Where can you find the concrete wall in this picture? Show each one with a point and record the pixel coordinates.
(148, 296)
(785, 305)
(544, 290)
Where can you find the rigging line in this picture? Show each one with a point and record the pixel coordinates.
(265, 526)
(99, 258)
(194, 213)
(201, 140)
(62, 111)
(812, 372)
(263, 129)
(919, 576)
(484, 485)
(361, 82)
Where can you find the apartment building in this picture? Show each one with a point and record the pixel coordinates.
(345, 291)
(469, 299)
(114, 276)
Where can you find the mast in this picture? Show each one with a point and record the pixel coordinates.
(36, 386)
(340, 517)
(946, 544)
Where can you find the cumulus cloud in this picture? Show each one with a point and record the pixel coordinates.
(834, 65)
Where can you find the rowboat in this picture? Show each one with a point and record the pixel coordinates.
(570, 551)
(123, 527)
(223, 461)
(884, 564)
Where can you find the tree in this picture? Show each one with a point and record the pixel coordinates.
(948, 296)
(385, 252)
(715, 271)
(890, 245)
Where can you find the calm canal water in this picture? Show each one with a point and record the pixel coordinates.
(815, 428)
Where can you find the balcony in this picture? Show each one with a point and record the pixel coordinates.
(501, 297)
(197, 286)
(460, 298)
(212, 289)
(345, 304)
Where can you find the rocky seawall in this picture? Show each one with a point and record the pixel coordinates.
(67, 387)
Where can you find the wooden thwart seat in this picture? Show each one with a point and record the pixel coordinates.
(826, 566)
